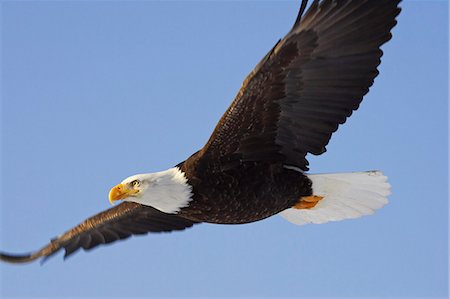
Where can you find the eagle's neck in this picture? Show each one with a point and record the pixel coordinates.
(167, 191)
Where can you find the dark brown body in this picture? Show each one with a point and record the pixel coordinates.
(250, 192)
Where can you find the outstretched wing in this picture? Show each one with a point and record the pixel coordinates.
(307, 85)
(119, 222)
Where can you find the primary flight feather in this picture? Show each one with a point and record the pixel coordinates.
(254, 164)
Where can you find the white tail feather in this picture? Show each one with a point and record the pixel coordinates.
(345, 196)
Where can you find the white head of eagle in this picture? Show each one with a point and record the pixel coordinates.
(167, 191)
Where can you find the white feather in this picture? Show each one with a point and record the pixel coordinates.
(345, 196)
(167, 191)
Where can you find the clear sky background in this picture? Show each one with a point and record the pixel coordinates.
(93, 92)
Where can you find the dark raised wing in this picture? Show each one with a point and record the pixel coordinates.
(119, 222)
(307, 85)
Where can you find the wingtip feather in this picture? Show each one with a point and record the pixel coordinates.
(17, 258)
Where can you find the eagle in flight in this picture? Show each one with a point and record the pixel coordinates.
(254, 164)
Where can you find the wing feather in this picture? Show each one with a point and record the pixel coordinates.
(117, 223)
(306, 86)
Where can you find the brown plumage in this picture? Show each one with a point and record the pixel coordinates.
(119, 222)
(287, 107)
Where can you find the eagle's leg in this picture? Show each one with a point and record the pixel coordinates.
(307, 202)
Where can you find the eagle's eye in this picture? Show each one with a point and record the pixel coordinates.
(135, 183)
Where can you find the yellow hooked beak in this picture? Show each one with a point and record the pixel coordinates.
(119, 192)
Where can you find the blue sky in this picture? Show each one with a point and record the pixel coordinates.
(93, 92)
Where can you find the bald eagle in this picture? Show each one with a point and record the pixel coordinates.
(254, 164)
